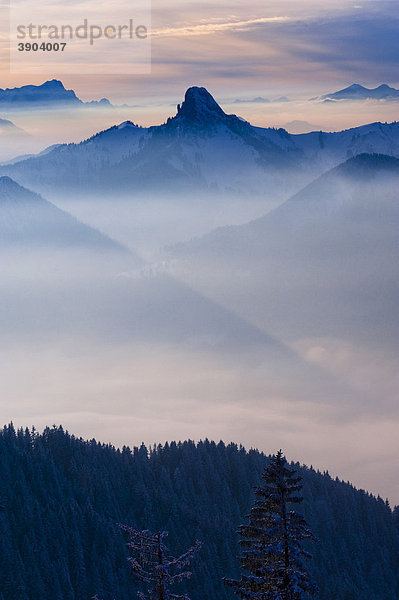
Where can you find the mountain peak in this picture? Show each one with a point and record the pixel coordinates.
(53, 83)
(199, 106)
(384, 87)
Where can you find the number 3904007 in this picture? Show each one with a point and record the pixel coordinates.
(45, 47)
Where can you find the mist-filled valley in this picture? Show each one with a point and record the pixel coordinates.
(210, 278)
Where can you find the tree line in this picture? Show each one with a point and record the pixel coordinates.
(60, 498)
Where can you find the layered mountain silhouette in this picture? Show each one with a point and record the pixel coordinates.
(61, 278)
(355, 185)
(68, 277)
(324, 261)
(200, 148)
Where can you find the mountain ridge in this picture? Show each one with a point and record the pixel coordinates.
(200, 146)
(48, 94)
(75, 492)
(26, 217)
(368, 166)
(334, 242)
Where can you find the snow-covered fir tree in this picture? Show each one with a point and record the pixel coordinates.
(273, 559)
(153, 565)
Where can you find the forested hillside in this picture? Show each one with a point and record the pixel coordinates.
(61, 498)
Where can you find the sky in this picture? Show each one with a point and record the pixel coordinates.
(236, 50)
(239, 51)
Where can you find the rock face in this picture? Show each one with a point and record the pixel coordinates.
(198, 107)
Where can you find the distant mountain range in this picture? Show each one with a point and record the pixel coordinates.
(358, 92)
(200, 148)
(50, 94)
(299, 126)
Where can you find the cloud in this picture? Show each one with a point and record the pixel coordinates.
(212, 28)
(289, 48)
(355, 47)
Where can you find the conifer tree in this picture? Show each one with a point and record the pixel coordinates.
(152, 563)
(272, 554)
(395, 515)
